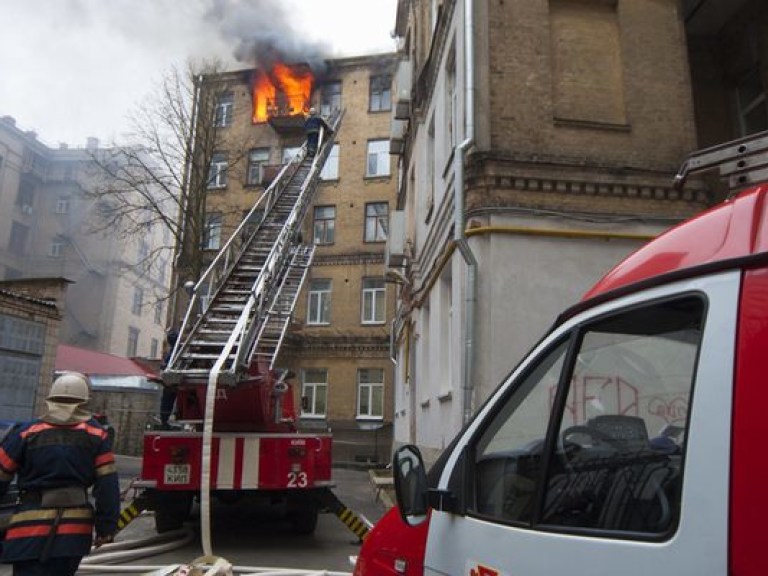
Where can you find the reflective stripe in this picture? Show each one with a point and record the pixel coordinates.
(50, 514)
(8, 464)
(106, 470)
(45, 530)
(35, 428)
(107, 458)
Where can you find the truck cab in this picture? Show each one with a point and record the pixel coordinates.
(628, 440)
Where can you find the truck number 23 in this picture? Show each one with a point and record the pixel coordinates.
(297, 479)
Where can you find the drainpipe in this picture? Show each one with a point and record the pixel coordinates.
(459, 237)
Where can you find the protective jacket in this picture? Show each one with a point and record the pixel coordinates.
(55, 465)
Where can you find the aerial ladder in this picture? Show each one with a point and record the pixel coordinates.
(236, 407)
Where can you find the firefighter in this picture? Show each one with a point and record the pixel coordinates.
(56, 458)
(312, 126)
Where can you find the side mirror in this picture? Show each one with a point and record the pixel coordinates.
(410, 484)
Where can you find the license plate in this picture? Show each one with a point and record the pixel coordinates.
(177, 473)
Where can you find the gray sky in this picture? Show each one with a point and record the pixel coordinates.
(70, 69)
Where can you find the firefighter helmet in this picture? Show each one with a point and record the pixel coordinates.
(312, 111)
(70, 387)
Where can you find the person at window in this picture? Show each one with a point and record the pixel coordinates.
(56, 459)
(312, 127)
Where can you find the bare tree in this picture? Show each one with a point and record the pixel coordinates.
(161, 175)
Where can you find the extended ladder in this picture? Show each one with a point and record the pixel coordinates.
(241, 307)
(743, 162)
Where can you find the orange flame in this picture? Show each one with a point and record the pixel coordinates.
(285, 91)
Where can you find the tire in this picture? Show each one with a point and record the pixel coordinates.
(171, 510)
(304, 521)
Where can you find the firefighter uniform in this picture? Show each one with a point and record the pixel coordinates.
(52, 527)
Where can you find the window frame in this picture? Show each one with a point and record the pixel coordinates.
(212, 231)
(255, 174)
(218, 169)
(574, 337)
(313, 413)
(380, 93)
(373, 223)
(225, 107)
(330, 169)
(327, 226)
(368, 390)
(376, 294)
(378, 149)
(319, 302)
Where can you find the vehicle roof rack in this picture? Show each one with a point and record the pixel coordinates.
(742, 162)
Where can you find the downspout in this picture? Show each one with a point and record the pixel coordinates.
(459, 237)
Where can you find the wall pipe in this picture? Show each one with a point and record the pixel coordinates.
(458, 207)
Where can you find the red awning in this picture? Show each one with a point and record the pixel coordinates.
(93, 363)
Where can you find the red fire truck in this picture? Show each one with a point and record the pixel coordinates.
(237, 434)
(629, 441)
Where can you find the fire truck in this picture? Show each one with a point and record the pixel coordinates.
(629, 440)
(238, 435)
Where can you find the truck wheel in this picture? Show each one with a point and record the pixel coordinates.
(304, 521)
(171, 510)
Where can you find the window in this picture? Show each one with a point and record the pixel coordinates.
(370, 393)
(25, 199)
(55, 249)
(154, 346)
(143, 252)
(62, 205)
(319, 311)
(224, 109)
(330, 169)
(138, 300)
(381, 93)
(324, 224)
(751, 104)
(314, 392)
(330, 98)
(158, 313)
(620, 408)
(377, 158)
(133, 342)
(257, 159)
(289, 153)
(217, 174)
(212, 232)
(18, 241)
(376, 221)
(373, 301)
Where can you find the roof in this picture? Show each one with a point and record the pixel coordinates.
(724, 235)
(92, 363)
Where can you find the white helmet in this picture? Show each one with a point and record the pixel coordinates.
(70, 387)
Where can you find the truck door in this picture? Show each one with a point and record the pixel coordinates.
(607, 451)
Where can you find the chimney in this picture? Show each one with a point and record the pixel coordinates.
(91, 143)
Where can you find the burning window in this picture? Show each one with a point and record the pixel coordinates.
(283, 91)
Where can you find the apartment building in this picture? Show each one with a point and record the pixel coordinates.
(338, 343)
(51, 225)
(537, 142)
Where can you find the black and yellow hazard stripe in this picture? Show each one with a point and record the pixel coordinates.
(353, 522)
(128, 514)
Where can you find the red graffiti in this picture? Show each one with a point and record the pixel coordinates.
(674, 411)
(483, 571)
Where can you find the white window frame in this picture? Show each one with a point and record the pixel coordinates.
(376, 224)
(324, 228)
(373, 299)
(55, 249)
(317, 388)
(380, 97)
(225, 106)
(133, 342)
(217, 174)
(257, 159)
(319, 302)
(212, 231)
(377, 159)
(367, 388)
(62, 206)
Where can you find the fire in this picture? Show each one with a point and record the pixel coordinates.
(284, 91)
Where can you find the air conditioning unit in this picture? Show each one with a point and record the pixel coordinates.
(395, 254)
(403, 88)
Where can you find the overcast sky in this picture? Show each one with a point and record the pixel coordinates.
(70, 69)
